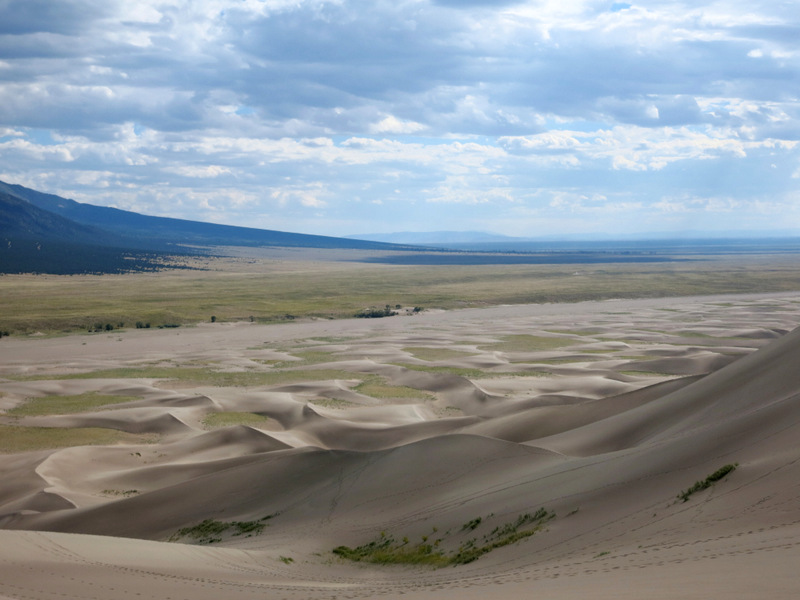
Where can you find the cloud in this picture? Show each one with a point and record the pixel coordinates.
(314, 113)
(474, 3)
(197, 171)
(393, 125)
(46, 16)
(308, 197)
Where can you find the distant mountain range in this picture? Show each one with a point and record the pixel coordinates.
(437, 238)
(482, 241)
(46, 233)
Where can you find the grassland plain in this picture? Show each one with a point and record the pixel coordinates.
(264, 290)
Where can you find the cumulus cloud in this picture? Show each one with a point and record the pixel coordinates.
(198, 171)
(65, 17)
(343, 113)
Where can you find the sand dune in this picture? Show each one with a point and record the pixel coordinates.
(447, 427)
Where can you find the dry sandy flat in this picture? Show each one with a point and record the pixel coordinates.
(442, 428)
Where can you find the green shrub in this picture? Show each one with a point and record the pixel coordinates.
(708, 481)
(471, 525)
(385, 550)
(210, 531)
(375, 313)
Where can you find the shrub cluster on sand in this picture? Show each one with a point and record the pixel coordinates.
(387, 550)
(210, 531)
(706, 483)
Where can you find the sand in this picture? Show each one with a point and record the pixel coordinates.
(601, 413)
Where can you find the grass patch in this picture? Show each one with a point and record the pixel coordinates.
(564, 361)
(387, 550)
(460, 371)
(708, 481)
(14, 438)
(211, 531)
(583, 332)
(334, 403)
(696, 334)
(61, 405)
(207, 377)
(229, 419)
(436, 354)
(376, 387)
(305, 358)
(531, 343)
(645, 373)
(474, 373)
(449, 411)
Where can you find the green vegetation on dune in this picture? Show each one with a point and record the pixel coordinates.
(531, 343)
(706, 483)
(503, 535)
(471, 373)
(229, 419)
(206, 377)
(460, 371)
(15, 438)
(210, 531)
(386, 550)
(562, 361)
(59, 405)
(305, 358)
(645, 373)
(333, 403)
(370, 385)
(431, 354)
(376, 387)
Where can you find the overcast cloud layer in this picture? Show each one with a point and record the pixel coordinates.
(354, 116)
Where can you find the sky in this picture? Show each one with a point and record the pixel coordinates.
(341, 117)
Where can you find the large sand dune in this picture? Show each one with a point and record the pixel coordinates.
(440, 427)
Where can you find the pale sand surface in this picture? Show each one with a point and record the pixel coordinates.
(600, 412)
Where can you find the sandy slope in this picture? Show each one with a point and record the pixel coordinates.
(599, 412)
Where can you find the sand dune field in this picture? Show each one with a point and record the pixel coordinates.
(532, 451)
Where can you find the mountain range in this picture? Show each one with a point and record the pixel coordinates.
(45, 233)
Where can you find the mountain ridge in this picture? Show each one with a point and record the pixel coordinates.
(46, 233)
(171, 230)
